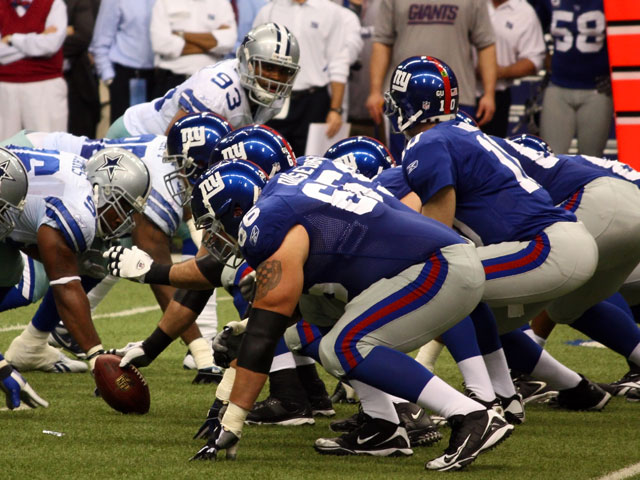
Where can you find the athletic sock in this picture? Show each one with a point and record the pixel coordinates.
(375, 402)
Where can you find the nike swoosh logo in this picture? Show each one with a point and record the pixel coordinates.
(452, 457)
(416, 415)
(360, 441)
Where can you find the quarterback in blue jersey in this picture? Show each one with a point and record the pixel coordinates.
(66, 204)
(578, 100)
(319, 238)
(532, 252)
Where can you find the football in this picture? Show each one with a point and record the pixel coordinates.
(124, 389)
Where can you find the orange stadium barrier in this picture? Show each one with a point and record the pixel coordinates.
(623, 38)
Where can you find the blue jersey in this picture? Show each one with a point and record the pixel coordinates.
(393, 179)
(560, 175)
(358, 233)
(495, 200)
(580, 49)
(617, 169)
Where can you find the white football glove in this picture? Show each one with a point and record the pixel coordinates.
(129, 263)
(132, 353)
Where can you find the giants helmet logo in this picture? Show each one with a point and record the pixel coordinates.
(192, 137)
(400, 81)
(236, 152)
(209, 187)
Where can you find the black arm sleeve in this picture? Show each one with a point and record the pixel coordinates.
(194, 300)
(210, 269)
(264, 329)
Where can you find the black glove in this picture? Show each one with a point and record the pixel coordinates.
(213, 416)
(208, 375)
(225, 347)
(220, 439)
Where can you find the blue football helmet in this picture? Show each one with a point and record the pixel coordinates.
(259, 144)
(533, 142)
(422, 90)
(189, 144)
(221, 197)
(462, 116)
(366, 155)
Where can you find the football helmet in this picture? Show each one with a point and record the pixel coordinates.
(189, 144)
(259, 144)
(121, 184)
(268, 63)
(221, 197)
(422, 90)
(366, 155)
(533, 142)
(14, 185)
(462, 116)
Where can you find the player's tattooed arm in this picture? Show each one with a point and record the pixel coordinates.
(268, 277)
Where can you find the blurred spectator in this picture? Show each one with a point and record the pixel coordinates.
(318, 90)
(445, 30)
(121, 48)
(33, 93)
(188, 35)
(578, 100)
(520, 49)
(247, 11)
(84, 99)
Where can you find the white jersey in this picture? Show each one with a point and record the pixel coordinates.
(214, 89)
(161, 208)
(59, 196)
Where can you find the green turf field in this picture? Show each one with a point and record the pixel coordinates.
(101, 443)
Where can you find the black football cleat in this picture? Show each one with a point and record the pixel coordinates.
(532, 390)
(585, 396)
(471, 435)
(421, 430)
(276, 412)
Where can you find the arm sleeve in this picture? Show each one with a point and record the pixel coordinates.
(531, 43)
(44, 45)
(481, 34)
(384, 31)
(353, 38)
(227, 37)
(428, 169)
(163, 41)
(104, 36)
(9, 54)
(335, 50)
(82, 23)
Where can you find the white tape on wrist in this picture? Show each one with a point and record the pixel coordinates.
(234, 418)
(91, 351)
(196, 235)
(64, 280)
(202, 353)
(223, 392)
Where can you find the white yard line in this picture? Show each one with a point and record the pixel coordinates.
(627, 472)
(121, 313)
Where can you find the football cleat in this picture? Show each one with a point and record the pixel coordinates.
(351, 423)
(276, 412)
(375, 437)
(628, 384)
(25, 356)
(532, 390)
(61, 338)
(421, 430)
(343, 393)
(471, 435)
(188, 362)
(513, 408)
(584, 396)
(321, 406)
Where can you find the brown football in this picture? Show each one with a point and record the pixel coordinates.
(124, 389)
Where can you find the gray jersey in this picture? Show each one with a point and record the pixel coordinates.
(445, 30)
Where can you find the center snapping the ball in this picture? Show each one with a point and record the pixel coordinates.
(124, 389)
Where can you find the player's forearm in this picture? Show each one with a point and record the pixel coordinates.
(246, 387)
(521, 68)
(73, 307)
(380, 58)
(488, 68)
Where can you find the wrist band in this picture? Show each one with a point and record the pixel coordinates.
(155, 343)
(223, 392)
(234, 418)
(158, 274)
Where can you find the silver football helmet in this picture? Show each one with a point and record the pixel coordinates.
(121, 185)
(268, 57)
(13, 191)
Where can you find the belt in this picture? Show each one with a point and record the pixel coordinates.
(306, 92)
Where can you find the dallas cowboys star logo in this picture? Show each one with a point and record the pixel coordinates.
(111, 164)
(4, 172)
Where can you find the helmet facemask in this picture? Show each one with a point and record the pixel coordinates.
(9, 213)
(220, 245)
(259, 79)
(115, 206)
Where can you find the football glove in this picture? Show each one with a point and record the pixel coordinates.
(130, 263)
(227, 342)
(220, 439)
(213, 419)
(132, 354)
(17, 389)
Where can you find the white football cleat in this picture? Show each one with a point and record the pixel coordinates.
(25, 355)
